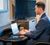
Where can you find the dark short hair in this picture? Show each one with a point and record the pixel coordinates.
(41, 4)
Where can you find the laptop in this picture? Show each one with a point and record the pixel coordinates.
(15, 30)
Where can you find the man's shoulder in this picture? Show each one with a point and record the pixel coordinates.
(44, 21)
(44, 18)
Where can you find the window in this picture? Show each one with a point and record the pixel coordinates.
(3, 5)
(24, 9)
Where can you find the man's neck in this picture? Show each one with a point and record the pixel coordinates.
(41, 13)
(39, 16)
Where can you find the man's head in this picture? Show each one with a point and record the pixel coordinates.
(39, 8)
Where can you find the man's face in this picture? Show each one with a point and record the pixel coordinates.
(38, 10)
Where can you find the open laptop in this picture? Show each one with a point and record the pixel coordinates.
(15, 30)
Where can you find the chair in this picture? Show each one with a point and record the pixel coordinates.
(42, 43)
(7, 31)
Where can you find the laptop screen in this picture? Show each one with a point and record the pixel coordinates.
(14, 28)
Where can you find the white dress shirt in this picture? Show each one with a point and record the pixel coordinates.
(38, 17)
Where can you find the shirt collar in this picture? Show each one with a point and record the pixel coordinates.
(41, 14)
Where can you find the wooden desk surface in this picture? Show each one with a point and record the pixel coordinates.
(6, 36)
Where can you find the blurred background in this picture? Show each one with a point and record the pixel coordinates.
(11, 10)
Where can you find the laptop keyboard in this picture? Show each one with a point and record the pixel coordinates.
(13, 38)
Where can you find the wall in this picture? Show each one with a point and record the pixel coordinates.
(7, 17)
(40, 0)
(48, 7)
(4, 17)
(47, 2)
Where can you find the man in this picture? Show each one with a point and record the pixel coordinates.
(41, 28)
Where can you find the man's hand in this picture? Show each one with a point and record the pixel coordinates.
(23, 32)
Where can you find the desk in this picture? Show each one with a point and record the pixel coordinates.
(20, 41)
